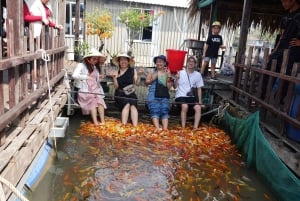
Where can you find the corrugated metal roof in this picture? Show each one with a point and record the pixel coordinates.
(171, 3)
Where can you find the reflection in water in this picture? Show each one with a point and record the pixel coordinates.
(115, 162)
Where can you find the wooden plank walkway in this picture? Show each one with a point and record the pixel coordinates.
(23, 143)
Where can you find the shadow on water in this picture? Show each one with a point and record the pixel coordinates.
(90, 167)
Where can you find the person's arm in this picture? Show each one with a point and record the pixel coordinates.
(31, 18)
(169, 82)
(27, 15)
(137, 78)
(222, 46)
(204, 50)
(78, 72)
(169, 79)
(116, 84)
(101, 74)
(151, 77)
(51, 23)
(114, 75)
(55, 26)
(139, 74)
(295, 42)
(176, 80)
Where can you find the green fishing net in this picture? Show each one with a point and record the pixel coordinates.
(248, 137)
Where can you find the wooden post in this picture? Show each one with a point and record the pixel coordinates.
(14, 7)
(1, 30)
(244, 29)
(2, 137)
(1, 93)
(200, 24)
(77, 17)
(243, 38)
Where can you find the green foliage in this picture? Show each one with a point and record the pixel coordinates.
(135, 20)
(81, 48)
(99, 22)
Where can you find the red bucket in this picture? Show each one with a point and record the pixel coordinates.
(175, 59)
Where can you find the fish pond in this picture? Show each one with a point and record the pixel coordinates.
(116, 162)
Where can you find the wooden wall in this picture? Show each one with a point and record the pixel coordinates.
(169, 31)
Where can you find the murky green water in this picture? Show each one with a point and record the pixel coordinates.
(84, 169)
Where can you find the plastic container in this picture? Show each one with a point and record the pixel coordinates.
(175, 59)
(291, 131)
(194, 44)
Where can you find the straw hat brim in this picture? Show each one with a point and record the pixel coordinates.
(115, 60)
(94, 53)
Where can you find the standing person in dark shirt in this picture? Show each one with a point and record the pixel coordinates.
(289, 39)
(290, 36)
(211, 49)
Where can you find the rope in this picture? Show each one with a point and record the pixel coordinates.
(66, 79)
(12, 188)
(2, 195)
(46, 58)
(221, 111)
(220, 114)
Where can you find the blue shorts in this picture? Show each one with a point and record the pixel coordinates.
(159, 108)
(213, 60)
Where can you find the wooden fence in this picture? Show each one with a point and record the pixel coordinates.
(270, 96)
(22, 68)
(24, 104)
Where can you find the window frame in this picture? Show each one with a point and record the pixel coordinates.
(69, 25)
(141, 35)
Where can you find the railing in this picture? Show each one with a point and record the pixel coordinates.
(254, 84)
(23, 76)
(23, 87)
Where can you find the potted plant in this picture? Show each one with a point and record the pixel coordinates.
(99, 22)
(135, 21)
(80, 50)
